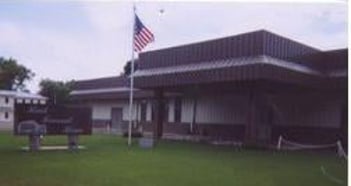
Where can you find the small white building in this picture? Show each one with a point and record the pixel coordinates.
(9, 100)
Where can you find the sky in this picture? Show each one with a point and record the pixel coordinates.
(75, 40)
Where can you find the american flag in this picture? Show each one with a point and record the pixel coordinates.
(142, 35)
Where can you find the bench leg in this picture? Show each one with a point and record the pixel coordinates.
(73, 142)
(34, 142)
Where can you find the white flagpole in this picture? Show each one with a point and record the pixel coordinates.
(131, 85)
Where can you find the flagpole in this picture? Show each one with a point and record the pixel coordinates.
(131, 84)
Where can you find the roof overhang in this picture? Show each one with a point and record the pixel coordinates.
(227, 63)
(101, 90)
(233, 70)
(24, 97)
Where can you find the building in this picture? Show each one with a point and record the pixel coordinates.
(109, 100)
(250, 87)
(9, 100)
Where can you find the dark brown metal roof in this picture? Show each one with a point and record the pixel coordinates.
(110, 95)
(254, 43)
(228, 63)
(326, 61)
(239, 58)
(243, 69)
(106, 82)
(254, 56)
(116, 87)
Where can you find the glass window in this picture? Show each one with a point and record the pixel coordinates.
(6, 100)
(6, 115)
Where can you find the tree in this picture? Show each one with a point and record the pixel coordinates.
(128, 68)
(13, 75)
(57, 91)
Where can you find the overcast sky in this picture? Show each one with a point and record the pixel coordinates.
(84, 40)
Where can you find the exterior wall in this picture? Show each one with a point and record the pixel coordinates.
(308, 135)
(307, 112)
(217, 117)
(222, 110)
(101, 112)
(10, 101)
(6, 123)
(308, 119)
(225, 116)
(230, 110)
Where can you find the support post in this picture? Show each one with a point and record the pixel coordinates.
(159, 114)
(193, 121)
(250, 125)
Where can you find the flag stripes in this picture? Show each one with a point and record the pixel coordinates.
(142, 35)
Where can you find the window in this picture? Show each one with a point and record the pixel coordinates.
(6, 115)
(143, 108)
(6, 100)
(177, 110)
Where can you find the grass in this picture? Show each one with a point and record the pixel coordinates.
(108, 161)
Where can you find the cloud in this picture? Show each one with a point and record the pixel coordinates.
(10, 33)
(108, 17)
(59, 55)
(189, 22)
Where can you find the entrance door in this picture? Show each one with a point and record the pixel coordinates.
(116, 120)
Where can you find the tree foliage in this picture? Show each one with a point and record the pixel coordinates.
(128, 68)
(57, 91)
(13, 75)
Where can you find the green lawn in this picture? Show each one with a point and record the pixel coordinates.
(108, 161)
